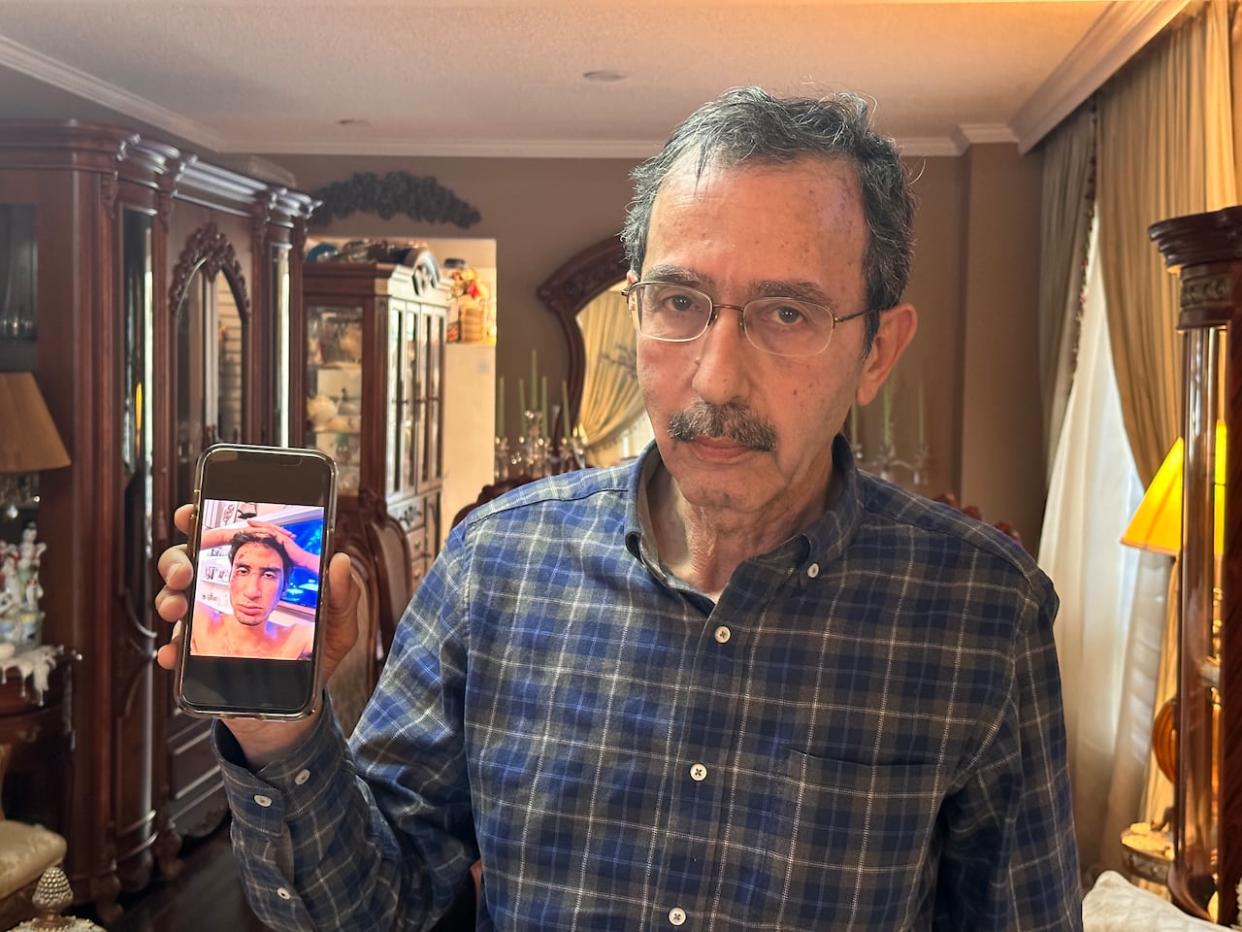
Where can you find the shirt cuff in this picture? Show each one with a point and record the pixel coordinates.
(263, 800)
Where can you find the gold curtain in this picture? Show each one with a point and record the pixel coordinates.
(1064, 230)
(611, 400)
(1165, 149)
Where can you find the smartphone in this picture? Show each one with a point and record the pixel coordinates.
(260, 545)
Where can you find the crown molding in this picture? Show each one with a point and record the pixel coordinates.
(1113, 39)
(970, 134)
(452, 148)
(39, 66)
(930, 146)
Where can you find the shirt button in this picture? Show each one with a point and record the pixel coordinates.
(302, 777)
(723, 634)
(283, 893)
(813, 570)
(262, 800)
(677, 916)
(698, 773)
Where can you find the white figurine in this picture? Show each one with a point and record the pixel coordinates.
(34, 592)
(12, 581)
(28, 550)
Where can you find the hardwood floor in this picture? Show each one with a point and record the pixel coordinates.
(207, 895)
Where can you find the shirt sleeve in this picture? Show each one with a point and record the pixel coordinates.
(377, 835)
(1010, 859)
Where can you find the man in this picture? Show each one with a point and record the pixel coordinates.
(261, 555)
(738, 685)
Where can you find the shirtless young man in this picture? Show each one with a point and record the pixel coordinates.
(261, 556)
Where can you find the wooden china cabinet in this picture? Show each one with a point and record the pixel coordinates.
(154, 299)
(372, 334)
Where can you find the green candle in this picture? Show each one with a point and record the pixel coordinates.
(886, 397)
(543, 404)
(565, 425)
(922, 419)
(521, 405)
(500, 406)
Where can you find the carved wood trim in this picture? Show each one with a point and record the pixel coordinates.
(421, 198)
(571, 288)
(209, 249)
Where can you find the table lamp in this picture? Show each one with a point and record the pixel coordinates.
(29, 441)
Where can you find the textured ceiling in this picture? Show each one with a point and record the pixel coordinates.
(278, 75)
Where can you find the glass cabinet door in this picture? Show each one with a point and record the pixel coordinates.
(395, 405)
(18, 310)
(414, 402)
(434, 326)
(334, 388)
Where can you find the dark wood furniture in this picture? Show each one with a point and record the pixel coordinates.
(1207, 811)
(162, 292)
(369, 394)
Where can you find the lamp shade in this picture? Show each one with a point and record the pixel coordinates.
(28, 438)
(1157, 523)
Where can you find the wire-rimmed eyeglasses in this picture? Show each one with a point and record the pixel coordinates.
(674, 313)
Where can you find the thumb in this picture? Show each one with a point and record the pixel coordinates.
(342, 595)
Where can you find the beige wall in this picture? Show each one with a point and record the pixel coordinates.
(539, 211)
(1001, 424)
(973, 281)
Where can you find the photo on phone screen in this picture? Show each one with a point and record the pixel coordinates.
(258, 581)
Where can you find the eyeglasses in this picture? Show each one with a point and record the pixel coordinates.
(674, 313)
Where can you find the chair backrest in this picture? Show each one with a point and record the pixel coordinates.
(354, 679)
(393, 584)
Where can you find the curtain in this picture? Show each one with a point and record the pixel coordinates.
(1165, 149)
(1094, 490)
(611, 401)
(1065, 219)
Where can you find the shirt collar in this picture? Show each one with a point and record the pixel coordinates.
(822, 542)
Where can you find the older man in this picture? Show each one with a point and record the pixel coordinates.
(737, 685)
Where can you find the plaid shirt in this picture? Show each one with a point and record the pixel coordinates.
(864, 732)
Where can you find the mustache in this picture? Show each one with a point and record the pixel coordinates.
(730, 421)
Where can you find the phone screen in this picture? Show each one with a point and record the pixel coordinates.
(260, 549)
(258, 588)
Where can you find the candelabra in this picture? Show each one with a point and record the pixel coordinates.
(536, 455)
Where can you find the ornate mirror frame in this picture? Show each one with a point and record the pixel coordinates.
(571, 288)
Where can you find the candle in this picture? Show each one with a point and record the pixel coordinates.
(922, 419)
(565, 425)
(521, 406)
(543, 404)
(500, 406)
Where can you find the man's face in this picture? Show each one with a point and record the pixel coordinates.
(256, 583)
(736, 234)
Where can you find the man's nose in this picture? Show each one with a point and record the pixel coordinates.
(720, 373)
(252, 587)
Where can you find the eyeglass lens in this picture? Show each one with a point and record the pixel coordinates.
(783, 326)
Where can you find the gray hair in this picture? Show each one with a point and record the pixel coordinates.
(749, 125)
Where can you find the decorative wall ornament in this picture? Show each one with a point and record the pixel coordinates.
(209, 249)
(420, 198)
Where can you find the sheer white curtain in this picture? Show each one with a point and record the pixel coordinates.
(1108, 679)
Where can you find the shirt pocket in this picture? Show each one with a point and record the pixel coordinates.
(848, 844)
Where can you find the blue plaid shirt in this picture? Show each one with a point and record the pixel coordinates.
(863, 732)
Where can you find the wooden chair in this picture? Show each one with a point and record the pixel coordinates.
(354, 679)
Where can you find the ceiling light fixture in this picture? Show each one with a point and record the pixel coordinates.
(604, 76)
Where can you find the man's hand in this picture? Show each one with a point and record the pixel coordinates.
(261, 741)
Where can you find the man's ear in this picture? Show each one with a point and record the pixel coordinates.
(897, 328)
(631, 277)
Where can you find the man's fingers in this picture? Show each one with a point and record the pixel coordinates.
(183, 517)
(170, 605)
(175, 567)
(166, 656)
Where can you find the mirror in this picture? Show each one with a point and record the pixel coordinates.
(584, 295)
(211, 336)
